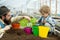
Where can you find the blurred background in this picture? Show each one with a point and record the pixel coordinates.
(31, 7)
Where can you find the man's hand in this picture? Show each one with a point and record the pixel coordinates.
(7, 27)
(28, 18)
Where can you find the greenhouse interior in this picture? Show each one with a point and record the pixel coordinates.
(29, 20)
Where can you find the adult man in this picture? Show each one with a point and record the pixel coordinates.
(6, 19)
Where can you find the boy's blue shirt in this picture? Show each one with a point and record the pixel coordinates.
(49, 20)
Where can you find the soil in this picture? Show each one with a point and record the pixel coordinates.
(19, 34)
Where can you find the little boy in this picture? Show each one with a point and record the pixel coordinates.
(46, 18)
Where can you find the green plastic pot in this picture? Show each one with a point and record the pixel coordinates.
(35, 30)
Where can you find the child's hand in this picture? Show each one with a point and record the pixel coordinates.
(44, 21)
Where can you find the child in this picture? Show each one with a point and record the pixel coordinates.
(46, 18)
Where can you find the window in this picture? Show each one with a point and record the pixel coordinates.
(54, 5)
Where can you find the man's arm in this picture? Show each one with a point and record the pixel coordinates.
(17, 18)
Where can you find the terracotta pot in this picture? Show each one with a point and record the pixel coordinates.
(15, 25)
